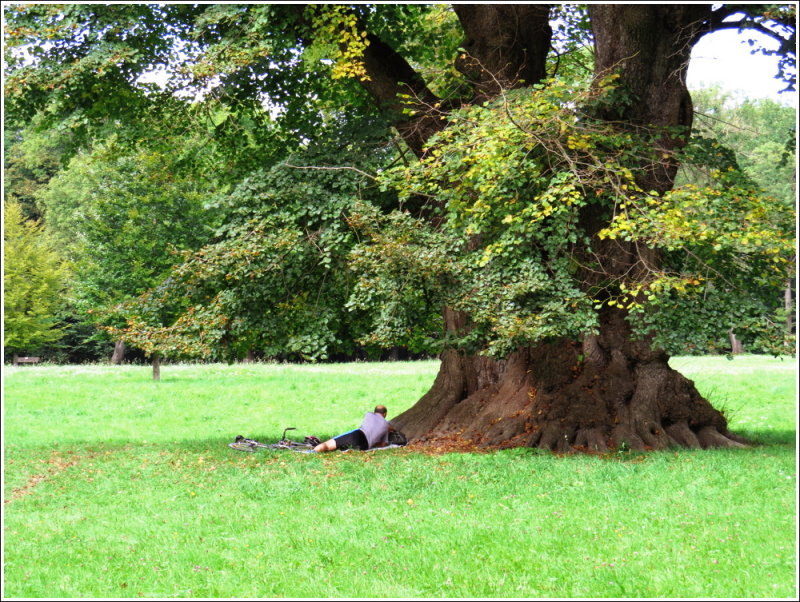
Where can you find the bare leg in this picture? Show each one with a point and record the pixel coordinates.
(326, 446)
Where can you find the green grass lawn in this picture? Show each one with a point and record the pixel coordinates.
(117, 486)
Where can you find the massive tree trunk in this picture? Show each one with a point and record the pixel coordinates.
(606, 390)
(603, 393)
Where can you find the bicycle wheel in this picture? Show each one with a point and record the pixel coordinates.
(243, 446)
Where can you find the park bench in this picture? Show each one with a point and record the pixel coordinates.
(25, 360)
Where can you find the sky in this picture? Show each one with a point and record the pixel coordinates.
(724, 58)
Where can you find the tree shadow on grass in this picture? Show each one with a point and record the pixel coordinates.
(769, 437)
(755, 438)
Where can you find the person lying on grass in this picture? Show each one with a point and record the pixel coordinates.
(373, 432)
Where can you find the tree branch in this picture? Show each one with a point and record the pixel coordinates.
(401, 93)
(332, 168)
(505, 46)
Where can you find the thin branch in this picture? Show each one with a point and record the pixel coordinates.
(733, 125)
(331, 168)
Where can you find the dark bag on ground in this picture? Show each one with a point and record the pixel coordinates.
(397, 438)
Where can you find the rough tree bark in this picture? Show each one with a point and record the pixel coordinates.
(736, 345)
(119, 352)
(155, 360)
(606, 390)
(788, 306)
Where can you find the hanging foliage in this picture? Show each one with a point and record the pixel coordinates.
(514, 184)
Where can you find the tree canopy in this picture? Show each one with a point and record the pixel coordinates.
(34, 282)
(267, 75)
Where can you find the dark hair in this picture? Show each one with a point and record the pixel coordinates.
(380, 410)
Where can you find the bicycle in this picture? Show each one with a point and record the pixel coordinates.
(251, 445)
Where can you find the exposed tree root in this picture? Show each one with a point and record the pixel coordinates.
(566, 397)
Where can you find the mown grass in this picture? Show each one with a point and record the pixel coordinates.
(116, 486)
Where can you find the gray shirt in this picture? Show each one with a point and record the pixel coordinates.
(375, 429)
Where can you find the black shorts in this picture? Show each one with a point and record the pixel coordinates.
(353, 440)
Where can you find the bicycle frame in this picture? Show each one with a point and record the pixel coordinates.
(250, 445)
